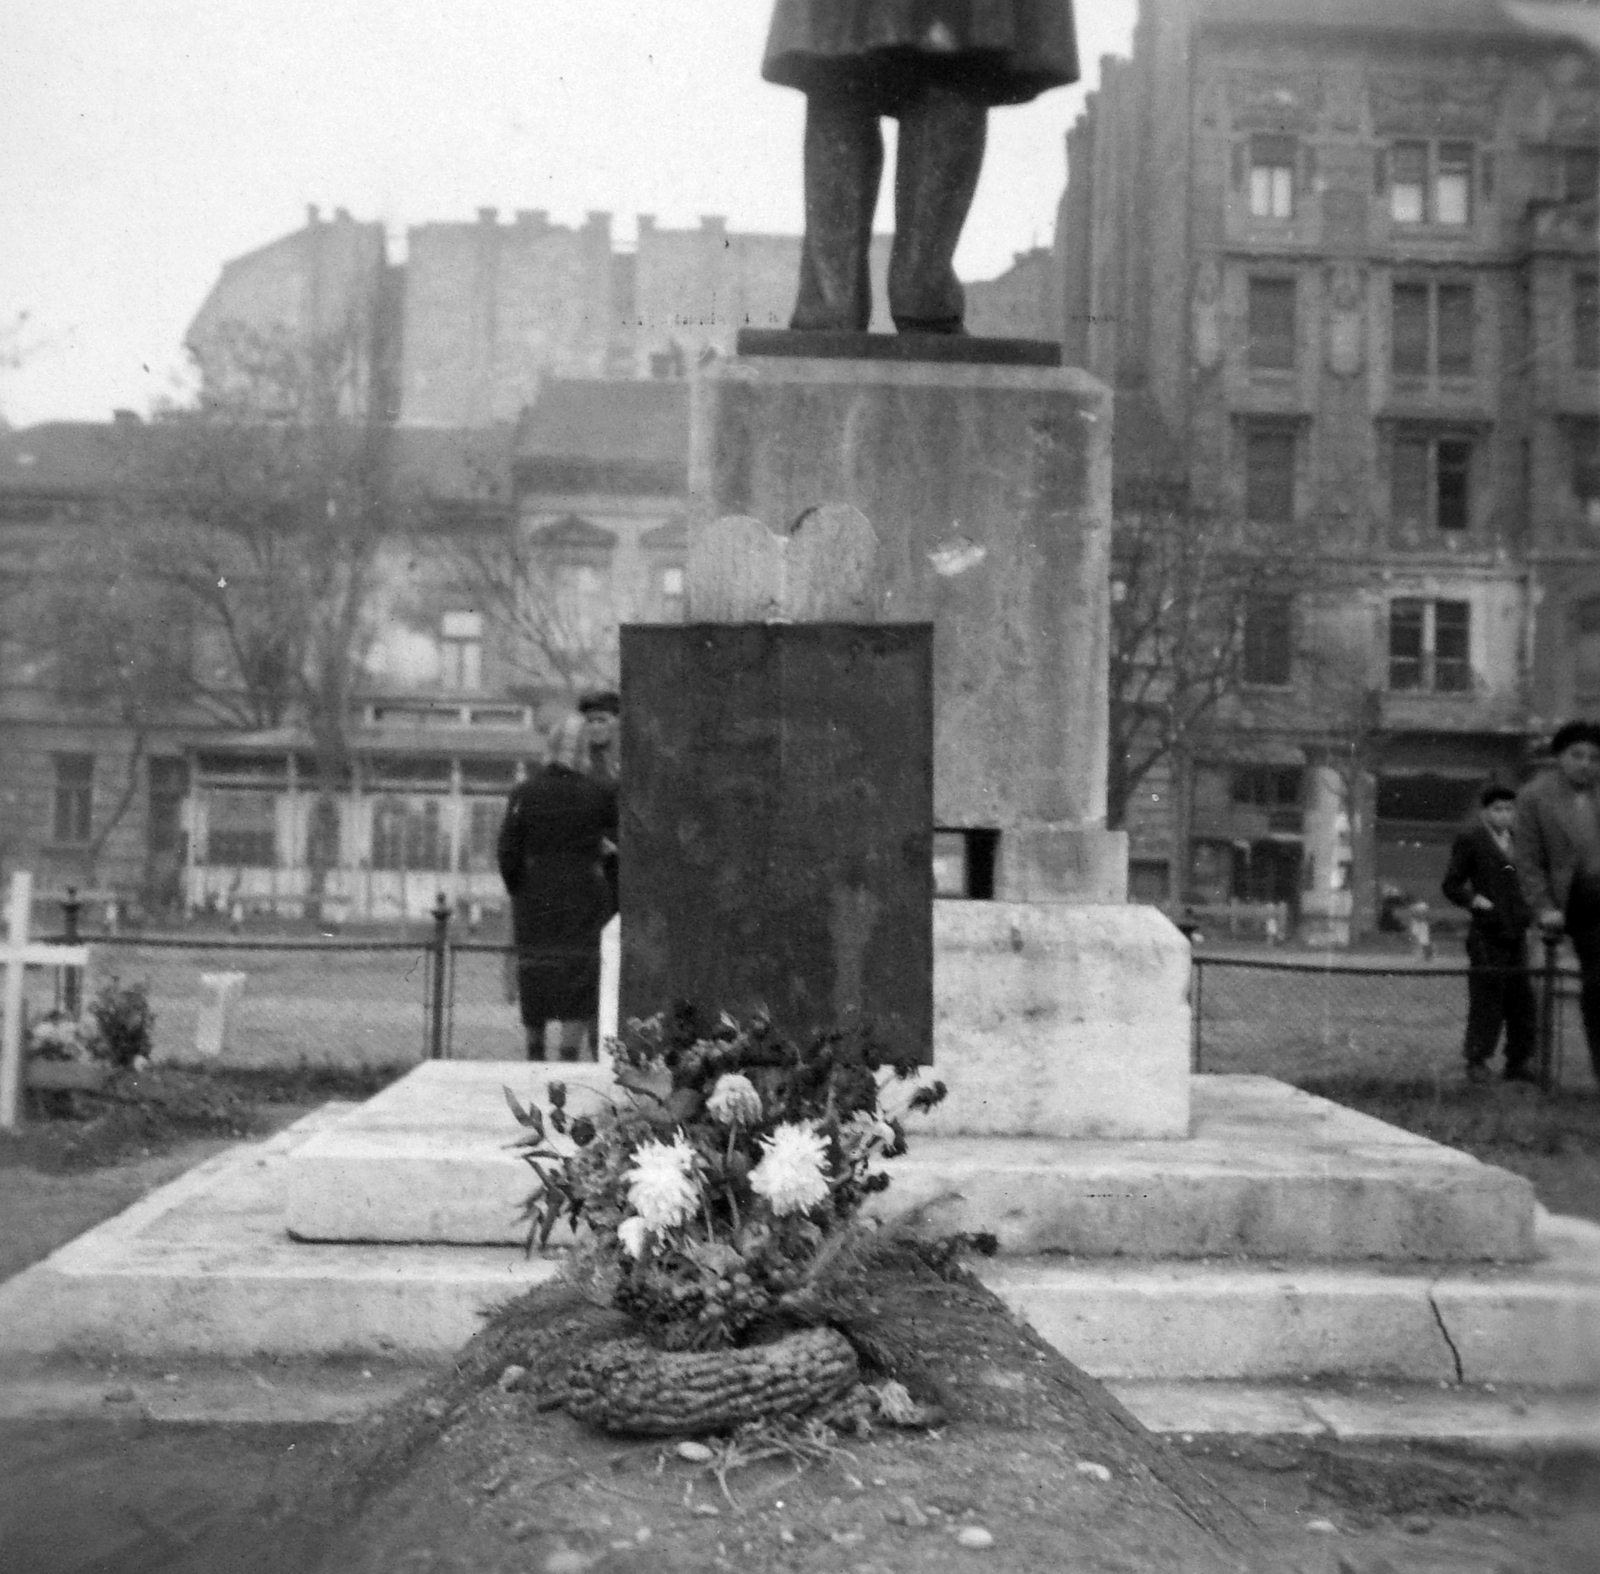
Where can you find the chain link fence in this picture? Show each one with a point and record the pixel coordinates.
(1401, 1022)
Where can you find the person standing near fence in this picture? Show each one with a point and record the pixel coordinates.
(550, 853)
(1482, 878)
(1556, 841)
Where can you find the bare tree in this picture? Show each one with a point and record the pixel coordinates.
(107, 641)
(1183, 581)
(551, 614)
(264, 510)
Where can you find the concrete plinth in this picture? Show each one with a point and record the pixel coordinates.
(989, 489)
(1270, 1172)
(1057, 1020)
(203, 1268)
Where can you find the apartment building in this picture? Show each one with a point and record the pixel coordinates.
(1345, 252)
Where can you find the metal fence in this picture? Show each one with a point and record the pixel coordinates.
(1397, 1022)
(385, 1000)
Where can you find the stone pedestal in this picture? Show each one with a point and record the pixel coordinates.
(989, 487)
(1053, 1019)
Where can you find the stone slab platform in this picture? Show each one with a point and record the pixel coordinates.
(258, 1392)
(1269, 1173)
(203, 1269)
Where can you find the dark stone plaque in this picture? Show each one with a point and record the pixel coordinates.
(777, 824)
(949, 348)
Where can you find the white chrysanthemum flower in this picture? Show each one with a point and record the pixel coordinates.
(790, 1175)
(661, 1187)
(734, 1100)
(633, 1232)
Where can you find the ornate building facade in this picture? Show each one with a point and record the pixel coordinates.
(1347, 253)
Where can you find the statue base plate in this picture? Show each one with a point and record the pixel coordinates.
(950, 348)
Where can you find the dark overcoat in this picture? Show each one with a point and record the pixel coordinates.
(1478, 867)
(550, 858)
(1005, 51)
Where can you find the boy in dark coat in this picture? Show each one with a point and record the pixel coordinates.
(935, 66)
(1482, 878)
(552, 842)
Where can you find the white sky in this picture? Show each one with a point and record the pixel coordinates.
(148, 141)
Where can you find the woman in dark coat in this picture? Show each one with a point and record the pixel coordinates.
(935, 66)
(550, 854)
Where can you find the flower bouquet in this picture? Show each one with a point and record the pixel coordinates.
(710, 1201)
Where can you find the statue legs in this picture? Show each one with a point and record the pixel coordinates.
(936, 172)
(843, 165)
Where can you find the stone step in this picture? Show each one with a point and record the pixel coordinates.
(204, 1268)
(1270, 1172)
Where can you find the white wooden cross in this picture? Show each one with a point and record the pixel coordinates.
(16, 955)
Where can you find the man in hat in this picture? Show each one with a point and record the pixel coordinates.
(1556, 843)
(602, 734)
(1482, 878)
(935, 66)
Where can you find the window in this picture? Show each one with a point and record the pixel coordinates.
(1408, 182)
(580, 598)
(1269, 476)
(1272, 161)
(1452, 190)
(1453, 330)
(483, 832)
(242, 829)
(1584, 435)
(1266, 786)
(1431, 183)
(73, 804)
(1580, 174)
(461, 650)
(1272, 324)
(1586, 652)
(1430, 645)
(1411, 335)
(1430, 481)
(1268, 641)
(405, 834)
(1586, 321)
(1431, 329)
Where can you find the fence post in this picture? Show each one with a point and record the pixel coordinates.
(1547, 1010)
(440, 951)
(71, 978)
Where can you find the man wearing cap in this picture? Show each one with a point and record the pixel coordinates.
(1556, 843)
(1482, 878)
(602, 713)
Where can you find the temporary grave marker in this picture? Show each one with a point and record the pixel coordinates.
(16, 955)
(777, 824)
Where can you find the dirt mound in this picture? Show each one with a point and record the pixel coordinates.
(464, 1474)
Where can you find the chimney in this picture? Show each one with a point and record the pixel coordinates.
(341, 215)
(714, 224)
(646, 224)
(313, 213)
(535, 219)
(488, 215)
(599, 223)
(126, 418)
